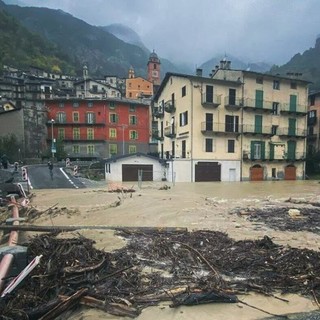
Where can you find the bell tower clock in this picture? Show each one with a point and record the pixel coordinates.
(154, 69)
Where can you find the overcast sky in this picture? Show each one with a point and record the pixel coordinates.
(195, 31)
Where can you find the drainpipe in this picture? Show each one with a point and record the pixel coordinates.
(191, 134)
(241, 130)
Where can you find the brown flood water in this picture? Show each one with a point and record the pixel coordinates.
(195, 206)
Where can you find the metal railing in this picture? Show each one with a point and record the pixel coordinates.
(258, 104)
(170, 131)
(287, 107)
(270, 156)
(211, 100)
(253, 129)
(215, 127)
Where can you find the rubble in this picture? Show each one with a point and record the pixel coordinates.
(180, 266)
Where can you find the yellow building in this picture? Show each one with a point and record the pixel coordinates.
(233, 126)
(138, 87)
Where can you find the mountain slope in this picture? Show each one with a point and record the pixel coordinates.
(20, 48)
(307, 63)
(101, 51)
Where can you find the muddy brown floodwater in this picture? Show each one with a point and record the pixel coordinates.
(195, 206)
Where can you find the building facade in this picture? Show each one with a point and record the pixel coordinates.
(96, 128)
(313, 137)
(233, 126)
(137, 87)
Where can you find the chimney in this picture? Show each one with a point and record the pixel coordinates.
(221, 64)
(217, 68)
(199, 72)
(228, 64)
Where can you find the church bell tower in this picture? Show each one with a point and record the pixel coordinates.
(154, 69)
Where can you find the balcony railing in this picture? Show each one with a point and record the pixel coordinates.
(257, 130)
(270, 156)
(232, 103)
(297, 109)
(257, 104)
(218, 127)
(210, 101)
(170, 131)
(169, 106)
(158, 112)
(292, 132)
(157, 135)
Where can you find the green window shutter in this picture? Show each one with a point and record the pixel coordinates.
(263, 151)
(291, 150)
(292, 127)
(258, 124)
(252, 150)
(259, 99)
(293, 103)
(272, 151)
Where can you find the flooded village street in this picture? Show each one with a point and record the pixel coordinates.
(223, 207)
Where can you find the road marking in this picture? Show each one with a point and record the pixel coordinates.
(61, 169)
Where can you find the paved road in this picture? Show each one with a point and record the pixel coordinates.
(39, 178)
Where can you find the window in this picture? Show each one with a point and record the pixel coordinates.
(312, 100)
(259, 80)
(61, 117)
(112, 133)
(232, 123)
(75, 104)
(90, 149)
(133, 134)
(90, 134)
(61, 133)
(132, 120)
(231, 146)
(209, 145)
(293, 85)
(132, 108)
(75, 116)
(61, 105)
(132, 149)
(94, 88)
(76, 133)
(274, 172)
(312, 114)
(183, 149)
(209, 94)
(276, 84)
(274, 130)
(183, 91)
(113, 149)
(113, 117)
(90, 117)
(90, 104)
(76, 149)
(183, 118)
(112, 105)
(275, 108)
(154, 66)
(257, 151)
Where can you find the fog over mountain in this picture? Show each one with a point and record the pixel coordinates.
(195, 31)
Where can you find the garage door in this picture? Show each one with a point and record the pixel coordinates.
(130, 172)
(207, 171)
(256, 173)
(290, 173)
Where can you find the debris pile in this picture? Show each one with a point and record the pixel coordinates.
(183, 267)
(304, 216)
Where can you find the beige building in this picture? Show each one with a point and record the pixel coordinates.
(232, 126)
(313, 137)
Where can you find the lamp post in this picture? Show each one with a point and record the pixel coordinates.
(53, 147)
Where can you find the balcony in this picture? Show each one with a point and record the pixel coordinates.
(287, 108)
(253, 104)
(269, 156)
(210, 100)
(312, 121)
(156, 135)
(257, 130)
(76, 124)
(232, 103)
(169, 106)
(312, 137)
(158, 112)
(170, 132)
(292, 132)
(211, 128)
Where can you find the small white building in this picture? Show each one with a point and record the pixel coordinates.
(129, 167)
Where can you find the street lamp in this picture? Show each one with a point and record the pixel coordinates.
(53, 147)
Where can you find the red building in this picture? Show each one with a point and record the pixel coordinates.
(95, 128)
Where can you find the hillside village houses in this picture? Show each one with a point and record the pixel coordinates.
(233, 125)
